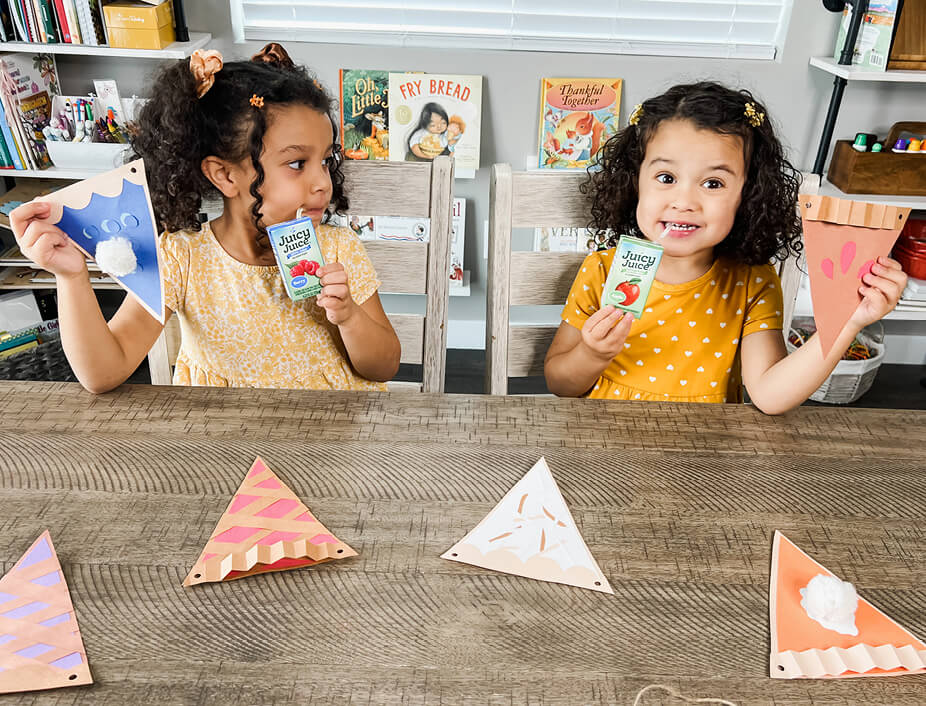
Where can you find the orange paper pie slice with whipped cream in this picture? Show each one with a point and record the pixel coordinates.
(820, 648)
(265, 528)
(531, 533)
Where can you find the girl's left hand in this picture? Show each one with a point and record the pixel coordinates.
(335, 296)
(881, 289)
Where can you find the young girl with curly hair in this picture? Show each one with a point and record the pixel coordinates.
(260, 134)
(702, 164)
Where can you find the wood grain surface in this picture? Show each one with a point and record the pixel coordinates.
(677, 503)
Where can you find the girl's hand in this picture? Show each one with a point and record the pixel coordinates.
(45, 244)
(605, 331)
(881, 289)
(335, 296)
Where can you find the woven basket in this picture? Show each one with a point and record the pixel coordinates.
(43, 362)
(850, 379)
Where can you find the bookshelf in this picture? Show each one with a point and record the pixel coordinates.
(177, 50)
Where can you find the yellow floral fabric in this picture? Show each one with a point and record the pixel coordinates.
(238, 326)
(685, 346)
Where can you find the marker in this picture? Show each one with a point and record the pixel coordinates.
(69, 112)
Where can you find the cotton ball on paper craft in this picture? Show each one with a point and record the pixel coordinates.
(831, 602)
(116, 257)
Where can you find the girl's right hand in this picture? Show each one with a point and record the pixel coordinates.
(605, 331)
(46, 244)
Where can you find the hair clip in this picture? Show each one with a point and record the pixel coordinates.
(205, 65)
(636, 114)
(257, 101)
(754, 117)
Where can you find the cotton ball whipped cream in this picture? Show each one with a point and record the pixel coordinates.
(831, 602)
(116, 257)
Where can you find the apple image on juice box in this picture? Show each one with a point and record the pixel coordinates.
(632, 273)
(298, 256)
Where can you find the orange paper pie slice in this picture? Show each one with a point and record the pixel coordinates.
(842, 240)
(803, 648)
(531, 533)
(40, 643)
(265, 528)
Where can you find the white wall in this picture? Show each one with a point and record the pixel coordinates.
(796, 95)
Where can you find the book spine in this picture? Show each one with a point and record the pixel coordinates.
(62, 18)
(27, 11)
(7, 157)
(48, 22)
(87, 32)
(17, 21)
(70, 12)
(35, 23)
(12, 125)
(10, 144)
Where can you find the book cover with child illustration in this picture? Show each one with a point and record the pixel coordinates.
(435, 114)
(577, 116)
(365, 114)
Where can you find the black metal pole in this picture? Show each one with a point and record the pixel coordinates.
(180, 28)
(860, 7)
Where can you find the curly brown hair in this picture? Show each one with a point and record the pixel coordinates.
(176, 131)
(767, 223)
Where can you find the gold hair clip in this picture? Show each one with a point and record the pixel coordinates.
(257, 101)
(754, 117)
(636, 114)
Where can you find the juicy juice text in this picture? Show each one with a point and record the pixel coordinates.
(298, 257)
(631, 275)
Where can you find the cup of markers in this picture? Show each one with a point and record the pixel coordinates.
(76, 121)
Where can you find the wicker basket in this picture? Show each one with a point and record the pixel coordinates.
(43, 362)
(850, 379)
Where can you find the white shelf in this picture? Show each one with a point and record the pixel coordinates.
(854, 73)
(52, 173)
(917, 203)
(177, 50)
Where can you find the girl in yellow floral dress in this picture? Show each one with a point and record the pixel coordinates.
(259, 133)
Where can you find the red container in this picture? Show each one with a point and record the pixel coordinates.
(910, 250)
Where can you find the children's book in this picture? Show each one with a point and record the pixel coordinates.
(33, 81)
(436, 114)
(577, 116)
(415, 230)
(365, 114)
(457, 234)
(874, 37)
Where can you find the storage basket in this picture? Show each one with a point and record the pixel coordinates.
(45, 361)
(850, 379)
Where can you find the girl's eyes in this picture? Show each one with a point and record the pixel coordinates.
(664, 178)
(296, 165)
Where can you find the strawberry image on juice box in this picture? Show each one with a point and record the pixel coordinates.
(632, 273)
(298, 256)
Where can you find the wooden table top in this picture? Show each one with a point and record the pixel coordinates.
(677, 503)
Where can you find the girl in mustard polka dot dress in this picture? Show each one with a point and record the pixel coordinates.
(702, 164)
(260, 135)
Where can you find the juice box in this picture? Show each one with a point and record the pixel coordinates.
(298, 256)
(632, 274)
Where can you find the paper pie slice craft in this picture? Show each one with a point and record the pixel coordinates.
(265, 528)
(531, 533)
(842, 240)
(40, 643)
(110, 218)
(811, 637)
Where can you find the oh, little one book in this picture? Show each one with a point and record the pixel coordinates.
(435, 114)
(577, 116)
(365, 113)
